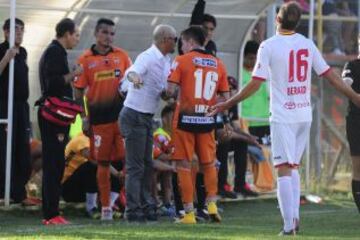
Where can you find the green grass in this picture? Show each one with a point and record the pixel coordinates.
(258, 219)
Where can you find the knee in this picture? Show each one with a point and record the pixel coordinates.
(183, 164)
(284, 170)
(207, 165)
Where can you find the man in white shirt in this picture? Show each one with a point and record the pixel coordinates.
(147, 79)
(286, 60)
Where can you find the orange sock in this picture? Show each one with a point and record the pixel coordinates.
(210, 181)
(186, 185)
(103, 179)
(194, 172)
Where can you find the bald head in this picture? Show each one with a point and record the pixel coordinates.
(162, 31)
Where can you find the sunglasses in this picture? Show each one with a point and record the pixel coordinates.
(173, 38)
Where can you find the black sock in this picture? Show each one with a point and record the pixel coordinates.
(356, 192)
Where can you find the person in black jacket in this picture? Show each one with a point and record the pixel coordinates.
(207, 21)
(20, 164)
(351, 76)
(55, 81)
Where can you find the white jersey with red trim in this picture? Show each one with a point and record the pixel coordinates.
(286, 61)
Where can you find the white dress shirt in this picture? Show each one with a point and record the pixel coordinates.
(153, 68)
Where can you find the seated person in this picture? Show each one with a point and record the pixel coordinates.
(79, 180)
(231, 138)
(33, 185)
(163, 167)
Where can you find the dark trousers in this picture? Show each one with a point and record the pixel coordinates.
(137, 130)
(240, 160)
(20, 157)
(54, 139)
(83, 181)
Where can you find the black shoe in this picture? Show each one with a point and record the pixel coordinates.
(134, 218)
(289, 233)
(246, 192)
(297, 225)
(151, 217)
(94, 213)
(227, 194)
(202, 215)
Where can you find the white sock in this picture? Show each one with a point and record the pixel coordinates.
(113, 197)
(91, 201)
(295, 180)
(285, 199)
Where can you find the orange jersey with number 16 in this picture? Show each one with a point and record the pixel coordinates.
(200, 77)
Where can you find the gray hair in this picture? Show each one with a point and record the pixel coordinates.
(162, 31)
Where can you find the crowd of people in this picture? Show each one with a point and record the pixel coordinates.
(181, 168)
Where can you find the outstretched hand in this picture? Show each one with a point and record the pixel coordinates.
(217, 108)
(356, 100)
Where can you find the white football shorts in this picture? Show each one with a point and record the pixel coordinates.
(288, 142)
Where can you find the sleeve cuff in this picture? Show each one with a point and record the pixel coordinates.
(258, 78)
(171, 81)
(325, 72)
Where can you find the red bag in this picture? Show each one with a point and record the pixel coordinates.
(60, 111)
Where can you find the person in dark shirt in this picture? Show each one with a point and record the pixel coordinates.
(20, 157)
(207, 21)
(236, 140)
(55, 81)
(351, 75)
(9, 54)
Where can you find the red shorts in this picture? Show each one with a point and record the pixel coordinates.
(188, 143)
(106, 142)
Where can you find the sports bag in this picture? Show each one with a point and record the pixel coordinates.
(60, 111)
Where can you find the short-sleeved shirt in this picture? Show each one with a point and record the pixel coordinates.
(73, 154)
(53, 66)
(351, 73)
(287, 60)
(102, 75)
(200, 77)
(21, 76)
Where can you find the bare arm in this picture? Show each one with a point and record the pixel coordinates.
(336, 81)
(246, 92)
(10, 54)
(79, 96)
(171, 91)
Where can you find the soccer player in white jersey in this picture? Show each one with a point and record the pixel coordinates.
(286, 60)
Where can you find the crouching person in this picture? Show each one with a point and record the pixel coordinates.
(79, 180)
(163, 167)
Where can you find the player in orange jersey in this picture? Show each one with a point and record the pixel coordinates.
(198, 77)
(104, 66)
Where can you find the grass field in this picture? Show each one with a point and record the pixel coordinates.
(336, 218)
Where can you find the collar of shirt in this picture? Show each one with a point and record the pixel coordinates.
(158, 53)
(56, 43)
(95, 52)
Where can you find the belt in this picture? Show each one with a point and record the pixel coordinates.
(141, 113)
